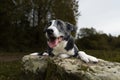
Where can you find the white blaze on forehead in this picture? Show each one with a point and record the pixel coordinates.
(54, 28)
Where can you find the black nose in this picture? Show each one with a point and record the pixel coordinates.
(49, 31)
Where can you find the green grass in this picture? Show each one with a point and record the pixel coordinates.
(11, 70)
(10, 66)
(106, 55)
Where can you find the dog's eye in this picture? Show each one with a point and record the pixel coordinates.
(49, 23)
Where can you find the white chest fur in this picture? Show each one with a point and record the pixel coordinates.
(60, 49)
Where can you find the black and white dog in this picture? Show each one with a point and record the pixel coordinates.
(61, 43)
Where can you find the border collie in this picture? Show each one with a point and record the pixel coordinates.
(61, 43)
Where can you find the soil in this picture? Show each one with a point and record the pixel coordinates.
(9, 58)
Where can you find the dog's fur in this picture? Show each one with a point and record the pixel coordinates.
(61, 43)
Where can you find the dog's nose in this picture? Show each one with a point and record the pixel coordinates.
(49, 31)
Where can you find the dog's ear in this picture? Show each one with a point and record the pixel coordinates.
(70, 27)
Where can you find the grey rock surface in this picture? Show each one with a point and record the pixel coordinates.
(70, 69)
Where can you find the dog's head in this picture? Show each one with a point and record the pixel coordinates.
(58, 30)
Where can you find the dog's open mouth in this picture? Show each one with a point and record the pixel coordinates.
(53, 41)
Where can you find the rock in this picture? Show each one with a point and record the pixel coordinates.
(53, 68)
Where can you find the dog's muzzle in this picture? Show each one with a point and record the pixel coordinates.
(52, 39)
(50, 35)
(49, 31)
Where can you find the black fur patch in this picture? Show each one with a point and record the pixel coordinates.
(75, 51)
(70, 44)
(49, 51)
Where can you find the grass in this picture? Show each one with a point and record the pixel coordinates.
(113, 56)
(10, 69)
(10, 66)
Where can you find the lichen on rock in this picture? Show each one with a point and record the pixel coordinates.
(54, 68)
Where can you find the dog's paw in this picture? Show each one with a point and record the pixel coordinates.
(39, 54)
(83, 56)
(45, 54)
(87, 58)
(92, 59)
(34, 54)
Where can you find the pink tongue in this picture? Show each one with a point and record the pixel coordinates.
(53, 43)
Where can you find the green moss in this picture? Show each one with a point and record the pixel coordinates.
(55, 72)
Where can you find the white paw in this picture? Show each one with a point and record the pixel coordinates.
(87, 58)
(45, 54)
(92, 59)
(34, 54)
(83, 56)
(64, 56)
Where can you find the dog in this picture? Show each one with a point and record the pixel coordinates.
(61, 43)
